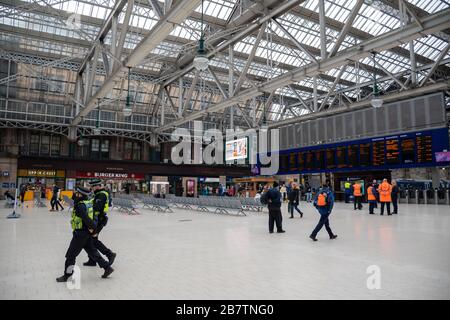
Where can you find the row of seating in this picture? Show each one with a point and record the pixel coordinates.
(211, 204)
(251, 204)
(157, 204)
(125, 205)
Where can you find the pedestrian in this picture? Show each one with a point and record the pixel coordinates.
(377, 196)
(371, 198)
(294, 199)
(23, 190)
(308, 192)
(283, 192)
(83, 225)
(55, 199)
(385, 190)
(323, 202)
(347, 190)
(394, 196)
(273, 200)
(100, 205)
(357, 194)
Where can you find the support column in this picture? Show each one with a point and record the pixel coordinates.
(315, 93)
(163, 106)
(435, 177)
(412, 57)
(323, 36)
(180, 98)
(231, 86)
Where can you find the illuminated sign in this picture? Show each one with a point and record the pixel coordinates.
(236, 149)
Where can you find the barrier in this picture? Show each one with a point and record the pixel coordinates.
(210, 204)
(157, 204)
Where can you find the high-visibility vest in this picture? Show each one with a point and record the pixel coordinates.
(76, 221)
(357, 190)
(347, 185)
(106, 207)
(370, 194)
(322, 200)
(385, 192)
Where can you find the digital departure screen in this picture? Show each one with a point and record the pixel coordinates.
(392, 151)
(301, 161)
(364, 154)
(331, 158)
(424, 149)
(320, 159)
(293, 162)
(353, 156)
(378, 153)
(408, 154)
(310, 161)
(341, 157)
(284, 164)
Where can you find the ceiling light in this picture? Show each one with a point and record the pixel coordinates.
(201, 61)
(127, 111)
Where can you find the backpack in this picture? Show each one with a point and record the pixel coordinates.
(264, 198)
(322, 199)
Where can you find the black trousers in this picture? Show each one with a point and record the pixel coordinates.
(292, 206)
(80, 240)
(395, 204)
(357, 201)
(55, 201)
(275, 217)
(388, 204)
(97, 244)
(324, 221)
(372, 205)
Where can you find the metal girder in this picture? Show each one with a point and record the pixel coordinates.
(294, 40)
(436, 64)
(431, 23)
(123, 32)
(322, 27)
(346, 28)
(163, 27)
(441, 86)
(341, 72)
(118, 7)
(190, 91)
(282, 8)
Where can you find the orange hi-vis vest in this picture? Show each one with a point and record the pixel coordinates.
(357, 190)
(370, 195)
(385, 192)
(322, 200)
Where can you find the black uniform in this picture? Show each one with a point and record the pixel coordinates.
(294, 198)
(55, 201)
(80, 240)
(100, 201)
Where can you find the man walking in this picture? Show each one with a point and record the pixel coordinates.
(324, 202)
(294, 198)
(83, 224)
(101, 208)
(273, 200)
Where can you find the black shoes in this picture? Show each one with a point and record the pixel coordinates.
(333, 237)
(281, 231)
(291, 217)
(111, 258)
(312, 238)
(270, 231)
(108, 271)
(63, 278)
(90, 263)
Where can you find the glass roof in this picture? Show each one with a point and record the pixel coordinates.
(41, 26)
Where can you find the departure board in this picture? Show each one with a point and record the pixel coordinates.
(408, 154)
(424, 149)
(320, 159)
(284, 164)
(310, 161)
(353, 156)
(293, 162)
(378, 153)
(331, 158)
(364, 155)
(341, 157)
(392, 151)
(301, 161)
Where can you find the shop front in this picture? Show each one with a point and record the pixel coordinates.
(117, 182)
(40, 180)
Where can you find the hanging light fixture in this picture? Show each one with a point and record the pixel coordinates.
(127, 111)
(376, 101)
(97, 130)
(201, 61)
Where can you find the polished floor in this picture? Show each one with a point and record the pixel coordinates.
(192, 255)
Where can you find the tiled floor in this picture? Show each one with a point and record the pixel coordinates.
(163, 256)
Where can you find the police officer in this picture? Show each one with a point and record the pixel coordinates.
(101, 207)
(347, 190)
(83, 224)
(324, 202)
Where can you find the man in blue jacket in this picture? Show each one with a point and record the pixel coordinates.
(324, 202)
(273, 199)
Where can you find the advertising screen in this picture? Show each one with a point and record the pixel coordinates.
(442, 156)
(236, 149)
